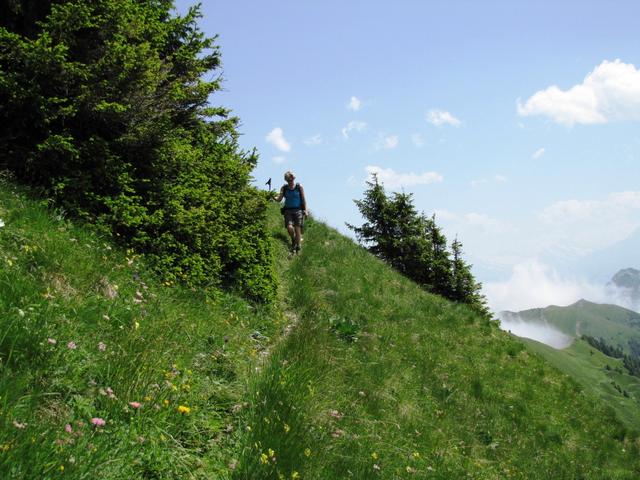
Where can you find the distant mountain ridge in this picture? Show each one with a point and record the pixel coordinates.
(627, 285)
(617, 325)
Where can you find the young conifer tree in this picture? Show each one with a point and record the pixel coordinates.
(105, 108)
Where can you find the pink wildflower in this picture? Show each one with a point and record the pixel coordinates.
(102, 346)
(51, 341)
(72, 345)
(135, 405)
(98, 422)
(68, 428)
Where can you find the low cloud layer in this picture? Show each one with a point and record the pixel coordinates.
(541, 332)
(533, 284)
(611, 92)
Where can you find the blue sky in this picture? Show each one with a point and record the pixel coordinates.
(516, 122)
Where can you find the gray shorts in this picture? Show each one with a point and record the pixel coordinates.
(293, 217)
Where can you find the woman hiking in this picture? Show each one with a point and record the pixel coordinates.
(295, 209)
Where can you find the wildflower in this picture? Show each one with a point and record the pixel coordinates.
(147, 398)
(135, 405)
(376, 466)
(1, 223)
(98, 422)
(51, 341)
(106, 317)
(307, 452)
(374, 455)
(136, 325)
(295, 475)
(264, 459)
(410, 469)
(18, 425)
(184, 409)
(335, 414)
(61, 468)
(102, 346)
(415, 455)
(72, 345)
(338, 433)
(286, 428)
(68, 428)
(272, 454)
(165, 402)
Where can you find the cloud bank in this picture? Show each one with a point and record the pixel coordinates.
(611, 92)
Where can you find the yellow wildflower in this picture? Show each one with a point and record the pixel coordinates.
(61, 468)
(271, 453)
(307, 452)
(264, 459)
(165, 402)
(374, 455)
(415, 455)
(286, 428)
(184, 409)
(295, 475)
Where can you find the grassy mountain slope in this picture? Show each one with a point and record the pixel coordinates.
(85, 330)
(382, 380)
(599, 374)
(615, 324)
(377, 379)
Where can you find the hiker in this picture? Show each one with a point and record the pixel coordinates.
(294, 210)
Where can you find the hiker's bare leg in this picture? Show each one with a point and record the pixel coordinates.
(292, 233)
(298, 235)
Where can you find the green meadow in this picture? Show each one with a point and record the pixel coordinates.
(354, 372)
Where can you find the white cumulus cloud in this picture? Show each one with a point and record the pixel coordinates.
(538, 153)
(386, 142)
(313, 140)
(276, 138)
(391, 179)
(417, 139)
(354, 104)
(442, 117)
(353, 125)
(611, 92)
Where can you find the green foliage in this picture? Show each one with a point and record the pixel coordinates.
(414, 245)
(430, 389)
(105, 108)
(86, 328)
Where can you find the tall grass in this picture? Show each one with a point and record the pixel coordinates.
(88, 335)
(382, 380)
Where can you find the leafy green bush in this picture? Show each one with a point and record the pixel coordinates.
(106, 110)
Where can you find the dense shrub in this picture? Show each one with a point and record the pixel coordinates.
(103, 105)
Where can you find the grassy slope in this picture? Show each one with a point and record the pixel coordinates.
(615, 324)
(428, 389)
(587, 366)
(164, 346)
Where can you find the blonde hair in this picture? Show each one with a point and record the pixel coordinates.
(288, 175)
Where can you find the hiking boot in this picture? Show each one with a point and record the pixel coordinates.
(297, 249)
